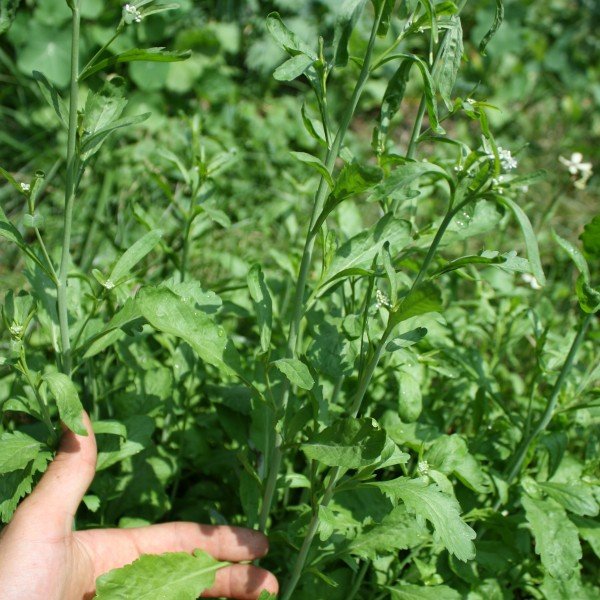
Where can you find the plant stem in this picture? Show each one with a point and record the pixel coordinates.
(61, 288)
(551, 405)
(358, 580)
(298, 302)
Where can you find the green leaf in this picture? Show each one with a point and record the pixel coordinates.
(293, 67)
(263, 305)
(67, 401)
(446, 70)
(589, 530)
(169, 313)
(589, 297)
(264, 595)
(576, 497)
(498, 18)
(17, 450)
(442, 511)
(574, 254)
(171, 576)
(8, 230)
(358, 252)
(349, 443)
(406, 339)
(134, 55)
(354, 178)
(132, 256)
(556, 538)
(287, 39)
(8, 11)
(316, 164)
(533, 251)
(390, 104)
(409, 591)
(296, 372)
(591, 238)
(52, 97)
(421, 300)
(387, 7)
(347, 17)
(398, 531)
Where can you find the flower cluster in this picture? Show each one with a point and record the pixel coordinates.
(581, 171)
(131, 14)
(507, 161)
(382, 300)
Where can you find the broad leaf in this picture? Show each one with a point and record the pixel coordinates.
(8, 230)
(293, 67)
(349, 443)
(591, 238)
(296, 372)
(574, 254)
(441, 510)
(67, 401)
(17, 450)
(408, 591)
(52, 97)
(556, 538)
(347, 17)
(172, 576)
(170, 314)
(288, 40)
(263, 305)
(576, 497)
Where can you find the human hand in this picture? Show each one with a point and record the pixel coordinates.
(41, 558)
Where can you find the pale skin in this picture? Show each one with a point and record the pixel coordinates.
(42, 558)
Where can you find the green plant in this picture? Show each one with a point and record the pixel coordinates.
(355, 391)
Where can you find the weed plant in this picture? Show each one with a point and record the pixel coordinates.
(325, 322)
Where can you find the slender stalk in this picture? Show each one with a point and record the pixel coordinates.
(551, 405)
(416, 132)
(63, 311)
(298, 302)
(358, 580)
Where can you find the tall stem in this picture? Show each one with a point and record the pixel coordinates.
(298, 302)
(63, 312)
(552, 402)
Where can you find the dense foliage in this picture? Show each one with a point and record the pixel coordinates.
(353, 305)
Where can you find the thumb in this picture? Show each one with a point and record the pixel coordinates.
(63, 485)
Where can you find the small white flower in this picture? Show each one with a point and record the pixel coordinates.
(131, 14)
(504, 513)
(507, 160)
(471, 101)
(423, 468)
(382, 299)
(25, 187)
(580, 170)
(531, 280)
(523, 189)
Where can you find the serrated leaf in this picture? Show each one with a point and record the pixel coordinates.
(135, 55)
(441, 510)
(263, 305)
(67, 401)
(296, 372)
(576, 497)
(533, 251)
(556, 538)
(171, 576)
(349, 443)
(17, 450)
(169, 313)
(316, 164)
(132, 256)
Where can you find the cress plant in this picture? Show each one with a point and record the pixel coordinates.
(380, 390)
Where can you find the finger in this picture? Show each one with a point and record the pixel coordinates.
(59, 492)
(242, 582)
(113, 548)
